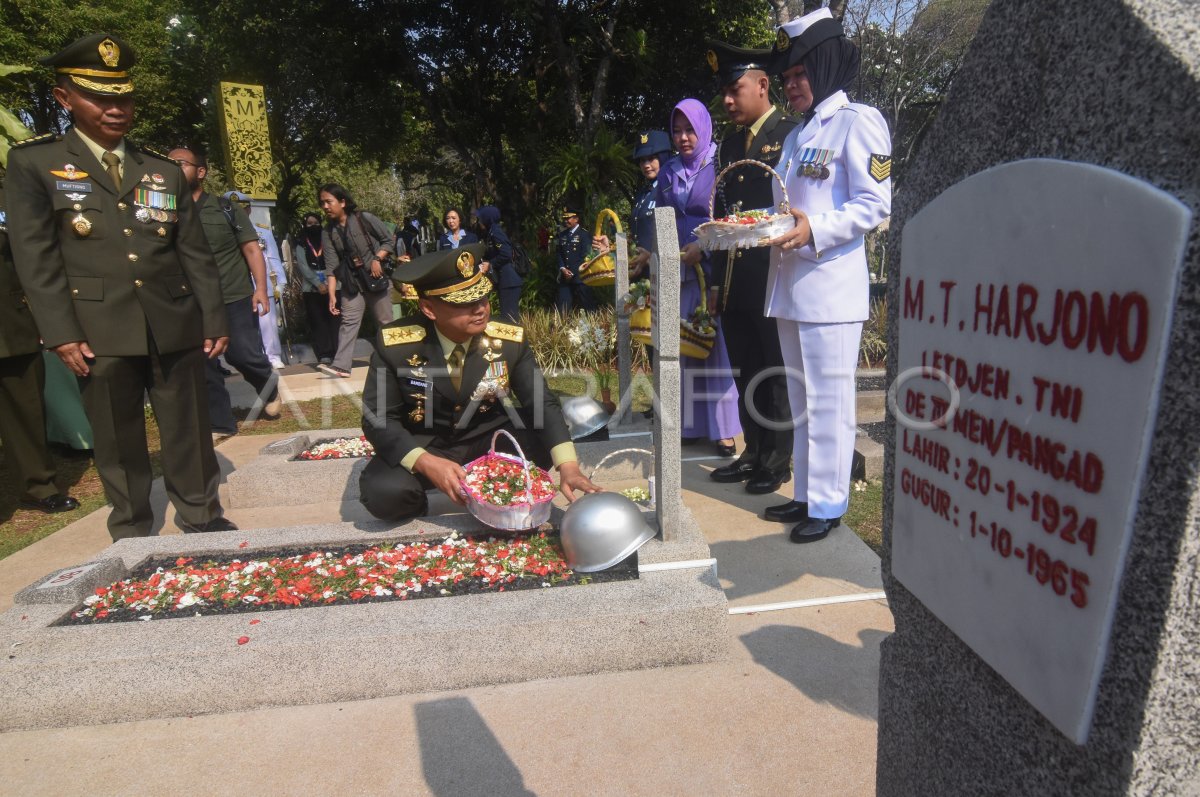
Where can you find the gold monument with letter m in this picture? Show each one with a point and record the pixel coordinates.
(246, 138)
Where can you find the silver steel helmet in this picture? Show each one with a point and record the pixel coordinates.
(600, 529)
(584, 415)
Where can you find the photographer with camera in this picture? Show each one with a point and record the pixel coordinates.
(358, 248)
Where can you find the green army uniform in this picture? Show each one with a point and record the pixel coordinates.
(411, 404)
(128, 271)
(22, 386)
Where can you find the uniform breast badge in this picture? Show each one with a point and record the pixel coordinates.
(489, 353)
(494, 383)
(815, 163)
(70, 173)
(417, 363)
(158, 205)
(81, 226)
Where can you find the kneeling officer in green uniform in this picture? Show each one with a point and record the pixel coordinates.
(443, 381)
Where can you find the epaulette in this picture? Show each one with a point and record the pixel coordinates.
(42, 139)
(394, 336)
(505, 331)
(152, 151)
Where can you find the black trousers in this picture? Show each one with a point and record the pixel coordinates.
(752, 341)
(390, 492)
(322, 327)
(245, 353)
(113, 398)
(23, 424)
(574, 293)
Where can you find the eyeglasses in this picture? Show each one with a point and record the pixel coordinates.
(182, 162)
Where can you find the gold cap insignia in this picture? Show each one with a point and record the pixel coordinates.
(110, 53)
(712, 60)
(782, 40)
(645, 138)
(466, 264)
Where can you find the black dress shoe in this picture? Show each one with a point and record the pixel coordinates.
(216, 524)
(813, 529)
(725, 450)
(766, 480)
(51, 505)
(733, 472)
(791, 512)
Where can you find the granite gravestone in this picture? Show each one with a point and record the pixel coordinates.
(1029, 366)
(1112, 84)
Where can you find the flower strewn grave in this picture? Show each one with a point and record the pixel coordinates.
(338, 448)
(187, 586)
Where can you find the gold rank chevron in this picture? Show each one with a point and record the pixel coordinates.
(881, 167)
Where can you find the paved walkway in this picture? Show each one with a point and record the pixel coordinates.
(792, 711)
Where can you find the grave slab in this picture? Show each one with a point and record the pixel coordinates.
(953, 721)
(56, 676)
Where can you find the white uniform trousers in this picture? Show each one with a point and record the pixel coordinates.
(268, 327)
(821, 361)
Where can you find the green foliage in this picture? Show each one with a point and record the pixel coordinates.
(591, 175)
(911, 52)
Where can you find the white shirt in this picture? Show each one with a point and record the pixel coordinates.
(827, 281)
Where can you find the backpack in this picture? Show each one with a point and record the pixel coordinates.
(227, 208)
(520, 259)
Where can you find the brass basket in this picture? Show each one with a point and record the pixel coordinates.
(694, 342)
(719, 235)
(601, 270)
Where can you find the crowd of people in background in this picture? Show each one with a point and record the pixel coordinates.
(784, 320)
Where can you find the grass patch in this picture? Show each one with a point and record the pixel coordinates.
(77, 476)
(865, 514)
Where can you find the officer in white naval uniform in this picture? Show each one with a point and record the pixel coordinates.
(837, 170)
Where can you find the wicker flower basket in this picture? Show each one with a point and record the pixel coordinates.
(522, 515)
(716, 235)
(601, 270)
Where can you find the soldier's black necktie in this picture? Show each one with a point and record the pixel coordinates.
(455, 363)
(113, 164)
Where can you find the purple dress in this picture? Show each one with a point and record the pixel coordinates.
(710, 399)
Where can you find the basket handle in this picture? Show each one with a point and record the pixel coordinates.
(783, 205)
(609, 214)
(524, 461)
(612, 454)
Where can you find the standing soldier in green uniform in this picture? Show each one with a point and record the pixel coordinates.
(123, 288)
(22, 383)
(740, 277)
(442, 382)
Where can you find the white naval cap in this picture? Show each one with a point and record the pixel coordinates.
(794, 39)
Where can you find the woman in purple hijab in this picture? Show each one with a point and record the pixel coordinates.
(685, 184)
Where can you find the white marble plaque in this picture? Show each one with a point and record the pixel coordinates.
(66, 576)
(1034, 308)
